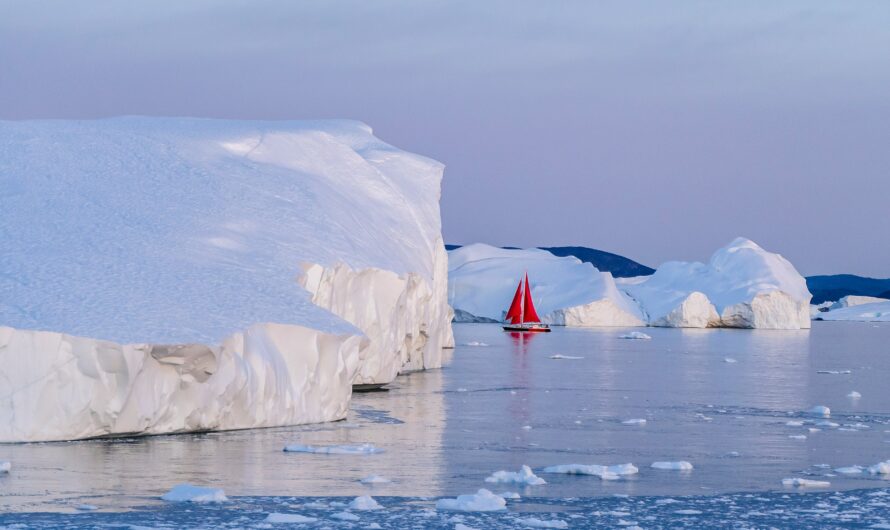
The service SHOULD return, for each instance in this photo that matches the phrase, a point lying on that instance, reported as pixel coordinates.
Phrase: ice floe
(639, 335)
(681, 465)
(850, 470)
(189, 493)
(820, 410)
(881, 468)
(345, 516)
(854, 395)
(613, 472)
(5, 466)
(729, 360)
(86, 507)
(523, 476)
(566, 357)
(634, 421)
(481, 501)
(805, 483)
(375, 479)
(365, 502)
(363, 449)
(289, 518)
(533, 522)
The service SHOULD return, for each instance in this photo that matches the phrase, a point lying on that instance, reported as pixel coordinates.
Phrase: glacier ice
(854, 300)
(152, 273)
(482, 281)
(872, 312)
(742, 286)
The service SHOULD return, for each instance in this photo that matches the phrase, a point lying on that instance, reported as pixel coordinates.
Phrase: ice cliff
(741, 286)
(566, 291)
(163, 275)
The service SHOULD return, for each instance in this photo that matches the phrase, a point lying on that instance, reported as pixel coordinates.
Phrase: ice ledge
(61, 387)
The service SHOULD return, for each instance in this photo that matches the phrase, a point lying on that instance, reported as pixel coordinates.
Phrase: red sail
(514, 314)
(530, 314)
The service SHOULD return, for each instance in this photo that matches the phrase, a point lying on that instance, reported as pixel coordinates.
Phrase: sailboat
(522, 315)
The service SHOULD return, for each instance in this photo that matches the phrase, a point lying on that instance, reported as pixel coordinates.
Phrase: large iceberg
(166, 275)
(742, 286)
(566, 291)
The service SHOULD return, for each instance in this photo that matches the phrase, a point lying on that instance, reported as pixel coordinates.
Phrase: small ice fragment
(794, 423)
(363, 449)
(635, 335)
(634, 421)
(524, 476)
(805, 483)
(826, 423)
(509, 495)
(565, 357)
(5, 466)
(532, 522)
(729, 360)
(881, 468)
(813, 429)
(733, 454)
(797, 436)
(666, 501)
(687, 512)
(527, 427)
(851, 470)
(820, 410)
(854, 395)
(461, 389)
(461, 526)
(189, 493)
(475, 343)
(345, 516)
(85, 507)
(375, 479)
(288, 518)
(365, 502)
(481, 501)
(833, 372)
(682, 465)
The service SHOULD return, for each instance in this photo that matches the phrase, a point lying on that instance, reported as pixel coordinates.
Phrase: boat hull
(533, 328)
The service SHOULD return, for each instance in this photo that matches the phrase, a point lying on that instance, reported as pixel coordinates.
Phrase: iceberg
(854, 300)
(873, 312)
(567, 292)
(742, 286)
(170, 275)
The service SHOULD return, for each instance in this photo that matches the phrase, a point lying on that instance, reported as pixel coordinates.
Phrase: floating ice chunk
(797, 436)
(566, 357)
(363, 449)
(475, 343)
(682, 465)
(634, 421)
(805, 483)
(729, 360)
(813, 429)
(833, 372)
(604, 472)
(86, 507)
(189, 493)
(288, 518)
(794, 423)
(532, 522)
(826, 423)
(365, 502)
(481, 501)
(851, 470)
(666, 501)
(820, 410)
(635, 335)
(854, 395)
(524, 476)
(461, 526)
(881, 468)
(733, 454)
(687, 512)
(5, 466)
(345, 516)
(510, 495)
(526, 427)
(375, 479)
(461, 389)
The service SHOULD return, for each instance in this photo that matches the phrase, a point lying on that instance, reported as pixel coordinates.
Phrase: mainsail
(530, 315)
(522, 309)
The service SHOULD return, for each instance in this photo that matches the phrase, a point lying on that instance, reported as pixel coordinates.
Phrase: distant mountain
(836, 286)
(619, 266)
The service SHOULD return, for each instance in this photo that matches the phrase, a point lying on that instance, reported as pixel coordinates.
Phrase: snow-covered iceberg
(566, 291)
(163, 275)
(854, 300)
(742, 286)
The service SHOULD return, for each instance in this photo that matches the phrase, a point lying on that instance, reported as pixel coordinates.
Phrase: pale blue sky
(658, 130)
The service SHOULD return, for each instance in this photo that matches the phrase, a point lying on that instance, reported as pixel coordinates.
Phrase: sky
(656, 130)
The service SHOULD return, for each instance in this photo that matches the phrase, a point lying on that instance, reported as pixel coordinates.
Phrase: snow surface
(525, 476)
(152, 261)
(189, 493)
(363, 449)
(742, 286)
(876, 312)
(481, 501)
(566, 291)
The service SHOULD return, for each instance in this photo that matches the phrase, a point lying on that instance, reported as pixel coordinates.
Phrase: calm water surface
(504, 402)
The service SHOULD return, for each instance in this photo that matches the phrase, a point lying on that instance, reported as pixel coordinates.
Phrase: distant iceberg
(742, 286)
(873, 312)
(482, 281)
(168, 275)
